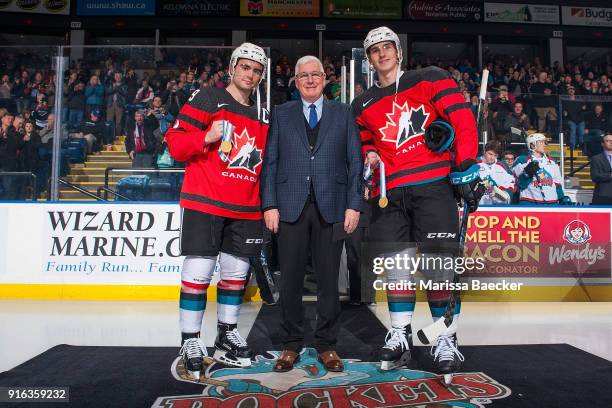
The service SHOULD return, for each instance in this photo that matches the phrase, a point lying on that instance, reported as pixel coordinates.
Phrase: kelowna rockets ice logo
(404, 124)
(244, 154)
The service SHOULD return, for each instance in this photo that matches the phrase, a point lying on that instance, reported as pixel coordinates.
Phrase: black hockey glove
(532, 168)
(467, 184)
(439, 136)
(565, 200)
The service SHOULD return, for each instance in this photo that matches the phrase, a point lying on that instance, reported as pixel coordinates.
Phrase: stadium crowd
(524, 97)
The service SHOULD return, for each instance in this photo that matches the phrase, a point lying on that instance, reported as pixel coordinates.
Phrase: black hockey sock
(185, 336)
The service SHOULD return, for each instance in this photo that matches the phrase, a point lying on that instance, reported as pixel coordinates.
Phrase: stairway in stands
(580, 159)
(90, 175)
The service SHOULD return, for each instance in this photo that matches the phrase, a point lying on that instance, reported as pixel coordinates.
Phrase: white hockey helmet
(381, 34)
(251, 52)
(533, 138)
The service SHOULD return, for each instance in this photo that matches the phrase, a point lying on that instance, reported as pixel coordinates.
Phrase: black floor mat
(551, 375)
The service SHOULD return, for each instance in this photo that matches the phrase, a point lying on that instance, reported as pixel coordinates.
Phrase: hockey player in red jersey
(418, 204)
(221, 135)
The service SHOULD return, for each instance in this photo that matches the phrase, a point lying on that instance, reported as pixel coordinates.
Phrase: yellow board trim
(105, 292)
(598, 293)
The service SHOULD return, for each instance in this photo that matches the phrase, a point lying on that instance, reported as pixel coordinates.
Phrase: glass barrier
(124, 184)
(361, 76)
(27, 102)
(20, 186)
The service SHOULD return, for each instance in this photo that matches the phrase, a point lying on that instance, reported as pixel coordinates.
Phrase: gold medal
(226, 146)
(383, 202)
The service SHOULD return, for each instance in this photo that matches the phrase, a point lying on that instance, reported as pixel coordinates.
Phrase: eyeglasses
(316, 75)
(246, 68)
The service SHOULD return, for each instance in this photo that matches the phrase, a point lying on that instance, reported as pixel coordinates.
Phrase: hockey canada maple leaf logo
(245, 154)
(403, 124)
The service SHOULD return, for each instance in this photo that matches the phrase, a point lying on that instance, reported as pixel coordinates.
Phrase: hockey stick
(267, 288)
(483, 91)
(430, 333)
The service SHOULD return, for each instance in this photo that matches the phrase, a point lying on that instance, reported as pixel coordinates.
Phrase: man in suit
(310, 191)
(601, 173)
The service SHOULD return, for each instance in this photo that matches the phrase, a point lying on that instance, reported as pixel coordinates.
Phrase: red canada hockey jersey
(225, 188)
(393, 125)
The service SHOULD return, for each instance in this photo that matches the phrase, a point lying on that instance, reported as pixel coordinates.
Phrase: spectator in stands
(68, 86)
(601, 173)
(500, 108)
(596, 125)
(92, 130)
(46, 133)
(18, 124)
(516, 84)
(50, 93)
(9, 145)
(359, 89)
(131, 80)
(37, 87)
(41, 111)
(145, 93)
(5, 91)
(280, 85)
(94, 95)
(75, 102)
(160, 113)
(116, 99)
(172, 98)
(544, 102)
(27, 159)
(332, 81)
(516, 125)
(574, 111)
(27, 115)
(473, 101)
(18, 93)
(140, 142)
(190, 83)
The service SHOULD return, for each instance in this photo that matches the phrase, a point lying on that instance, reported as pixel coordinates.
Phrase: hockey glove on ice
(439, 136)
(467, 184)
(565, 200)
(532, 168)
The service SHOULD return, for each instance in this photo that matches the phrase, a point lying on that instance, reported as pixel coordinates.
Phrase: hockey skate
(231, 348)
(192, 354)
(397, 350)
(447, 358)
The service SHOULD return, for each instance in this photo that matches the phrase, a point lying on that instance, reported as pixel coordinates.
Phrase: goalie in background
(496, 176)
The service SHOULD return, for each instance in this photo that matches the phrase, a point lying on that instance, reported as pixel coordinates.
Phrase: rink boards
(131, 251)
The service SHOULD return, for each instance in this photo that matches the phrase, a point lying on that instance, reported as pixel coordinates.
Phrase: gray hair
(306, 59)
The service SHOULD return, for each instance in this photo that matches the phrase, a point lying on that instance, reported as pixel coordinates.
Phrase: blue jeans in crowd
(74, 119)
(576, 130)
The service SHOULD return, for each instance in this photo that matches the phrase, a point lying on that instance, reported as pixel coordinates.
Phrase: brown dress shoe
(286, 360)
(331, 361)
